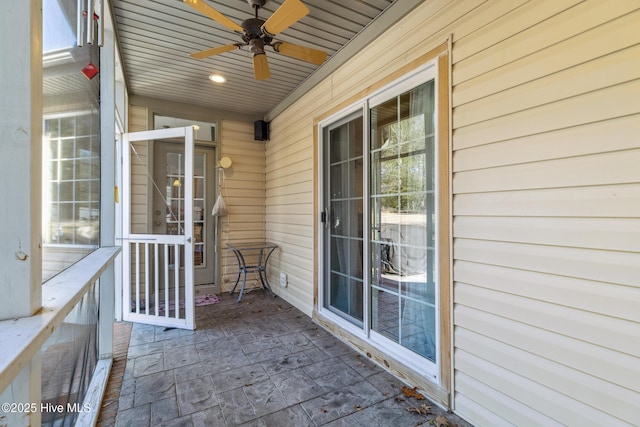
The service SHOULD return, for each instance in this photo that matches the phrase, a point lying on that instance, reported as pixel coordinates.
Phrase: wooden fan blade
(207, 10)
(306, 54)
(215, 51)
(261, 66)
(290, 12)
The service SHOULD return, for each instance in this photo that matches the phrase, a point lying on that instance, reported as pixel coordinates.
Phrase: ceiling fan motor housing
(252, 26)
(253, 32)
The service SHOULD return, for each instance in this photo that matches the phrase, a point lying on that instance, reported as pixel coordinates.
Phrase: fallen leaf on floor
(399, 399)
(248, 385)
(411, 392)
(443, 422)
(422, 409)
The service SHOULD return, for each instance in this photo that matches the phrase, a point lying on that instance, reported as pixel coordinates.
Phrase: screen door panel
(158, 283)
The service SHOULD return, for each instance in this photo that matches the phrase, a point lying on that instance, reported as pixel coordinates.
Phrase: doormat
(206, 299)
(200, 300)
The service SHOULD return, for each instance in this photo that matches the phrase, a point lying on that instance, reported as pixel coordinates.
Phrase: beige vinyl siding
(546, 160)
(546, 200)
(140, 186)
(244, 193)
(289, 206)
(138, 121)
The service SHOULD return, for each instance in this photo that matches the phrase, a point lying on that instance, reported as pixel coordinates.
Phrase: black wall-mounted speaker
(261, 130)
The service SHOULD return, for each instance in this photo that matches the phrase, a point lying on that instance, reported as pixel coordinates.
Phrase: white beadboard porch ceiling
(156, 37)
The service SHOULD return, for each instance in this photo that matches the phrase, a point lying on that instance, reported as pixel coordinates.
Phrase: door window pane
(174, 207)
(344, 190)
(402, 182)
(385, 313)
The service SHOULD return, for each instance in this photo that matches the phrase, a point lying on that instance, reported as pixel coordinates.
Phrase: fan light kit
(257, 33)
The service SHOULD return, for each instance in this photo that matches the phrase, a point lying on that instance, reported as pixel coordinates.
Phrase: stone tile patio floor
(259, 363)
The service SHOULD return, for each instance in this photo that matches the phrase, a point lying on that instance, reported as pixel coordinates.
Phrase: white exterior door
(158, 263)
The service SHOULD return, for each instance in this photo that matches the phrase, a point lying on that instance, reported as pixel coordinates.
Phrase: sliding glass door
(380, 220)
(403, 214)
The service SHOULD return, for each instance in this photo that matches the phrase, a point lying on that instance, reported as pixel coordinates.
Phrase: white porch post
(107, 183)
(21, 175)
(21, 158)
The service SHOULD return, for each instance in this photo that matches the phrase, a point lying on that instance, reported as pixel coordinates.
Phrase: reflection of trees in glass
(403, 164)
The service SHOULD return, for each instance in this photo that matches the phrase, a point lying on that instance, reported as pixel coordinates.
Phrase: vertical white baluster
(166, 280)
(156, 278)
(137, 267)
(146, 278)
(176, 280)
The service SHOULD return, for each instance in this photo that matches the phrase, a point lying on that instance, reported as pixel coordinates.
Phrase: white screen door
(158, 263)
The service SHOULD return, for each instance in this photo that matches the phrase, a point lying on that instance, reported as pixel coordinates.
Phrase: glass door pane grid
(404, 295)
(175, 196)
(344, 177)
(402, 319)
(199, 210)
(402, 214)
(175, 202)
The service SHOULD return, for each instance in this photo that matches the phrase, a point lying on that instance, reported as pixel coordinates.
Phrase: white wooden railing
(22, 339)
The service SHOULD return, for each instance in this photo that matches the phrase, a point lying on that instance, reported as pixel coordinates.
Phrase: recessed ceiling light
(217, 78)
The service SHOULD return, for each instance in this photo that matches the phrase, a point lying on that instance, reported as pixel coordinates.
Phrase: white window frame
(47, 180)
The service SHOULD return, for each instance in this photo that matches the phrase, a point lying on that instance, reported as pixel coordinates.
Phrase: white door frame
(143, 309)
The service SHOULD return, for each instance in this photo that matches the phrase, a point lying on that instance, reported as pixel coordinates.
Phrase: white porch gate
(158, 285)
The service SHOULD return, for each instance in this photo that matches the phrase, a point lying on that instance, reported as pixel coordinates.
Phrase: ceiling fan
(258, 33)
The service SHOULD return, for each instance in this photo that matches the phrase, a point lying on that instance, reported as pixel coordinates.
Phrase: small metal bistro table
(263, 251)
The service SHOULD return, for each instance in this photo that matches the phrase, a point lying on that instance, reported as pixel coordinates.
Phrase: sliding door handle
(324, 217)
